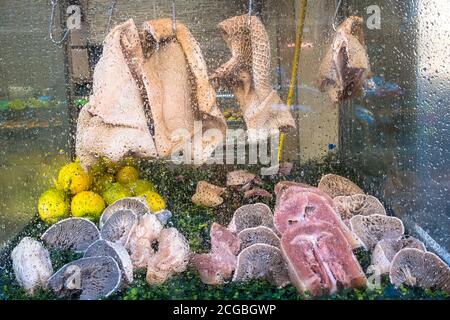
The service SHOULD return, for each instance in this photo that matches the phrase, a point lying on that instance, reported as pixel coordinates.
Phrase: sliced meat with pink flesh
(285, 190)
(297, 206)
(256, 193)
(218, 265)
(306, 270)
(223, 239)
(214, 268)
(319, 259)
(283, 185)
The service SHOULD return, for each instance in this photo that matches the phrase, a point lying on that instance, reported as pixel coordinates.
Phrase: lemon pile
(84, 194)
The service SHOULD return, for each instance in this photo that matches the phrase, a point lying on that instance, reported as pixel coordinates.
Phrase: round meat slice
(371, 229)
(119, 227)
(75, 234)
(259, 234)
(386, 249)
(90, 278)
(358, 204)
(416, 268)
(250, 216)
(261, 261)
(336, 186)
(116, 251)
(136, 204)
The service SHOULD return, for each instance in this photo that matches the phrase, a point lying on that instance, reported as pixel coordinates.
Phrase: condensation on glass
(397, 142)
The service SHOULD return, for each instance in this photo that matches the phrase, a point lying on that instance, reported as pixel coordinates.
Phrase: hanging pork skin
(247, 75)
(346, 64)
(113, 124)
(175, 80)
(156, 77)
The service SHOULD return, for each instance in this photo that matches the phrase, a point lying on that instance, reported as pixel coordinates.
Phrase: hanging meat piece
(175, 81)
(319, 259)
(298, 205)
(153, 78)
(247, 75)
(113, 124)
(346, 64)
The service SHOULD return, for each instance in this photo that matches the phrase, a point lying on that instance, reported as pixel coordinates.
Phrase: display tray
(177, 185)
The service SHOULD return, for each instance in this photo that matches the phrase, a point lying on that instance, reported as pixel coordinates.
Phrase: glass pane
(210, 149)
(33, 115)
(396, 135)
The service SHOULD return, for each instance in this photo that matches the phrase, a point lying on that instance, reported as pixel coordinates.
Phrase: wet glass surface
(394, 138)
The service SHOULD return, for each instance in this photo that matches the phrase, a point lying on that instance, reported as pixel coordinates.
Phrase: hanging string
(336, 13)
(54, 4)
(110, 14)
(174, 17)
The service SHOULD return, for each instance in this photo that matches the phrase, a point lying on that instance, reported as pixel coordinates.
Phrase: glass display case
(212, 149)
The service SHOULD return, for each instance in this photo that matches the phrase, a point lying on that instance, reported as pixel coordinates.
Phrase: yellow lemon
(72, 178)
(109, 165)
(97, 168)
(101, 183)
(140, 187)
(87, 204)
(130, 161)
(127, 175)
(155, 201)
(114, 192)
(53, 205)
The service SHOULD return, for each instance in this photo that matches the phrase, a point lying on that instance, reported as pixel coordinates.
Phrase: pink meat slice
(319, 259)
(223, 239)
(218, 265)
(214, 269)
(286, 189)
(297, 205)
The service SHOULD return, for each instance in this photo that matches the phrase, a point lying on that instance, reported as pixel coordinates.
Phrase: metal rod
(336, 13)
(250, 11)
(54, 4)
(174, 17)
(295, 64)
(110, 14)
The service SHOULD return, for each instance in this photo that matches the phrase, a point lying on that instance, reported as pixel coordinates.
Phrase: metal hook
(54, 3)
(250, 11)
(110, 14)
(174, 17)
(335, 14)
